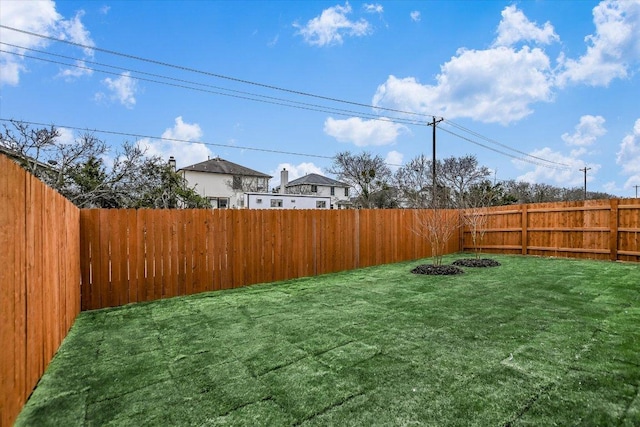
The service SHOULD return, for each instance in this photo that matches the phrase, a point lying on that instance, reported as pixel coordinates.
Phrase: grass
(534, 342)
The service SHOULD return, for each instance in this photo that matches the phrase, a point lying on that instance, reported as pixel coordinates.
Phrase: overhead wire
(267, 99)
(142, 136)
(246, 95)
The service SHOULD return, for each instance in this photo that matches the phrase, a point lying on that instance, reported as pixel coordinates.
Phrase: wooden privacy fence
(597, 229)
(39, 281)
(142, 255)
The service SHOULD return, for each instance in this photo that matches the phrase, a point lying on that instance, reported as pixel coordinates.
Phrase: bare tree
(45, 155)
(458, 174)
(367, 174)
(76, 170)
(414, 182)
(437, 226)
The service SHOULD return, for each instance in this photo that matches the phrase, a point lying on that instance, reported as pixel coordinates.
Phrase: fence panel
(39, 281)
(596, 229)
(142, 255)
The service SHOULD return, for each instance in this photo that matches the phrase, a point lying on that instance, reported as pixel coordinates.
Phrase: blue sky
(536, 90)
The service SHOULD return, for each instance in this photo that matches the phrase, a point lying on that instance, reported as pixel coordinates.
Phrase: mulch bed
(437, 270)
(472, 262)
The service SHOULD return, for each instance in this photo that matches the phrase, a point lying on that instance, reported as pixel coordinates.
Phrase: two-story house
(223, 182)
(317, 185)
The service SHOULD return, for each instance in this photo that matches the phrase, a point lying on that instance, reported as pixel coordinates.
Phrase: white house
(223, 182)
(285, 201)
(319, 186)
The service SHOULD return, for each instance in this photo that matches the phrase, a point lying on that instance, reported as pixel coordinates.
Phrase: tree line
(82, 171)
(460, 182)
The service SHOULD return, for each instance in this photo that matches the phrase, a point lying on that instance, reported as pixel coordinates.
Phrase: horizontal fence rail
(596, 229)
(142, 255)
(39, 281)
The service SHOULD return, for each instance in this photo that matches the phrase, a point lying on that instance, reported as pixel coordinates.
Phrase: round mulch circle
(472, 262)
(437, 270)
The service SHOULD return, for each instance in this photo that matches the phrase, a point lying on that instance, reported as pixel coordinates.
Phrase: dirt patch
(437, 270)
(472, 262)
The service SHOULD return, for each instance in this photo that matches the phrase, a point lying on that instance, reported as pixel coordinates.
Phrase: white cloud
(38, 17)
(65, 136)
(123, 89)
(74, 30)
(394, 159)
(562, 176)
(363, 132)
(373, 8)
(516, 27)
(612, 50)
(415, 16)
(185, 153)
(295, 171)
(184, 131)
(330, 27)
(610, 187)
(495, 85)
(587, 131)
(629, 156)
(105, 9)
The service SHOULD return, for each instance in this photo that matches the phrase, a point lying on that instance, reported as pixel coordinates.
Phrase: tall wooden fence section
(141, 255)
(596, 229)
(39, 281)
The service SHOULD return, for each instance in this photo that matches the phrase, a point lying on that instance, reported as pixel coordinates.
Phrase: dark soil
(437, 270)
(472, 262)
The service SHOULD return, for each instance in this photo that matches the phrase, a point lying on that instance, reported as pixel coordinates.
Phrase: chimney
(172, 163)
(284, 180)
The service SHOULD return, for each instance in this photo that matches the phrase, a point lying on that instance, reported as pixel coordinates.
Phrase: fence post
(613, 230)
(525, 226)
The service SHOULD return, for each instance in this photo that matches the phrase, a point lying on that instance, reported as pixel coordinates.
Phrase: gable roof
(315, 179)
(222, 166)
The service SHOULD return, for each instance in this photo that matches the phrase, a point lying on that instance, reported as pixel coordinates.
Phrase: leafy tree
(487, 194)
(367, 174)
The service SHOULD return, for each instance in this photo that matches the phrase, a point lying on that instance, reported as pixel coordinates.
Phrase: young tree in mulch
(476, 220)
(437, 226)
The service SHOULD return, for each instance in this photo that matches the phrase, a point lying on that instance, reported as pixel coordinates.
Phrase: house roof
(315, 179)
(222, 166)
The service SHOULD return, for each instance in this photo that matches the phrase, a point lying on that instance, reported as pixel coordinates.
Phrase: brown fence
(597, 229)
(141, 255)
(39, 281)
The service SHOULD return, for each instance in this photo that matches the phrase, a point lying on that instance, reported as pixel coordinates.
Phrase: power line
(207, 73)
(234, 93)
(500, 144)
(141, 136)
(294, 104)
(263, 98)
(524, 159)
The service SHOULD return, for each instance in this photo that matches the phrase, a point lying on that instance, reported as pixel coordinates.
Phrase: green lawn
(534, 342)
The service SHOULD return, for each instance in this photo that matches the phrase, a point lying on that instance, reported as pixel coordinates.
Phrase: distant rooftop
(316, 179)
(222, 166)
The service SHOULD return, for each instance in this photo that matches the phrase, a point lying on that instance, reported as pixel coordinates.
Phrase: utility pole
(636, 186)
(433, 165)
(585, 169)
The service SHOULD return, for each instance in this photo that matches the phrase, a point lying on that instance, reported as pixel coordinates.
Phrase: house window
(293, 200)
(276, 203)
(314, 188)
(219, 202)
(346, 191)
(321, 204)
(259, 201)
(237, 182)
(333, 191)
